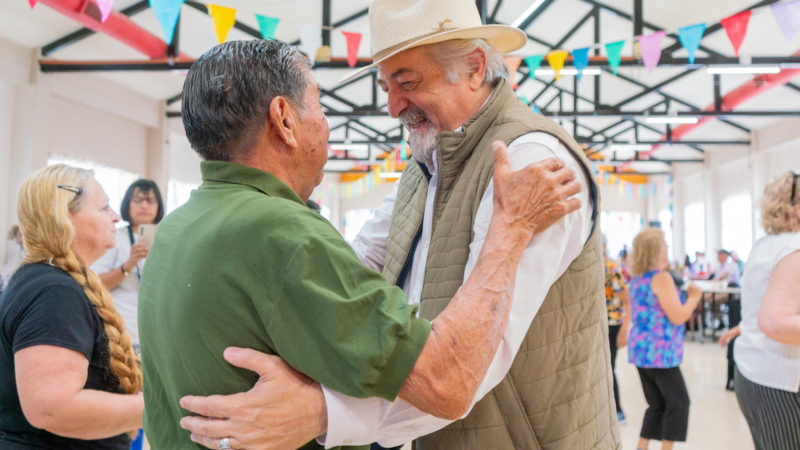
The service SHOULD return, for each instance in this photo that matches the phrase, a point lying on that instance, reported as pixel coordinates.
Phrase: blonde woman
(767, 353)
(68, 373)
(655, 344)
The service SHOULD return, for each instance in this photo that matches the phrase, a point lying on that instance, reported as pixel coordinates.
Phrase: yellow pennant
(224, 18)
(556, 59)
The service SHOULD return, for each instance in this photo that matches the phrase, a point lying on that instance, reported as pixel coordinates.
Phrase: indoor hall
(684, 111)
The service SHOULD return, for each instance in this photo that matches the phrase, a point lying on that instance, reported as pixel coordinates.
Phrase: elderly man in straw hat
(549, 385)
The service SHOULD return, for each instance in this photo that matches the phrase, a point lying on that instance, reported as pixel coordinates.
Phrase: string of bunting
(394, 161)
(629, 189)
(786, 15)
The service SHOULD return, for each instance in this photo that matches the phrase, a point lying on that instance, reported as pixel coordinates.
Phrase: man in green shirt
(245, 263)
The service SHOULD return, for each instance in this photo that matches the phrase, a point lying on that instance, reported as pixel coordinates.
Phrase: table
(714, 288)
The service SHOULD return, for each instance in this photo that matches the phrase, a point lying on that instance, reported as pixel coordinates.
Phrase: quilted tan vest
(558, 392)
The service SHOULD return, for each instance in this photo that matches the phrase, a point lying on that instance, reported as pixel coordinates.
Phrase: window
(736, 224)
(114, 181)
(619, 227)
(694, 221)
(665, 217)
(354, 219)
(178, 193)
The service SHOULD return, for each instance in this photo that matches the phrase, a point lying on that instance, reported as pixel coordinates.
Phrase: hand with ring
(285, 409)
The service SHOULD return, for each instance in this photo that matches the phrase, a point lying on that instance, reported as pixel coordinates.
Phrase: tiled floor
(715, 421)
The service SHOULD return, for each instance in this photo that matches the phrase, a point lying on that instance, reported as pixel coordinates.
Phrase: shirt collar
(232, 173)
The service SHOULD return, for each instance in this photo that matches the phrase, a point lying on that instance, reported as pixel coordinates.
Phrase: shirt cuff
(351, 421)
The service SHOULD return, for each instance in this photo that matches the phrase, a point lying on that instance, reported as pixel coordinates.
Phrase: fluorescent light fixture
(573, 72)
(742, 69)
(633, 147)
(531, 9)
(672, 119)
(390, 174)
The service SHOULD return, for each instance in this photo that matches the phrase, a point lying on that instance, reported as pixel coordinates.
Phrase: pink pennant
(736, 27)
(650, 46)
(105, 7)
(353, 41)
(32, 3)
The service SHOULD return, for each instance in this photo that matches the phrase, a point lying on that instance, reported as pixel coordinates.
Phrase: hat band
(389, 50)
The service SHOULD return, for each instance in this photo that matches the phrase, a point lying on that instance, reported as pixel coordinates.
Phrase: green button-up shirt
(245, 263)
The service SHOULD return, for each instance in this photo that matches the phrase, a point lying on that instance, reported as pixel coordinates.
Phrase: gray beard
(422, 147)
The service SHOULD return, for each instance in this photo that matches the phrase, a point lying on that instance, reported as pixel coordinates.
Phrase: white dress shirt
(354, 421)
(759, 358)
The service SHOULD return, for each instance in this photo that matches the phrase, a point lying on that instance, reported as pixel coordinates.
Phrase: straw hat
(398, 25)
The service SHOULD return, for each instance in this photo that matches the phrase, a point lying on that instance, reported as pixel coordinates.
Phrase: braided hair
(47, 233)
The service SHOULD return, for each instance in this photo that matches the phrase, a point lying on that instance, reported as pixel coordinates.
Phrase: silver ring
(224, 444)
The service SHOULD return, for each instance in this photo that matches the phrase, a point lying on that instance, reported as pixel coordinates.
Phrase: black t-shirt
(43, 305)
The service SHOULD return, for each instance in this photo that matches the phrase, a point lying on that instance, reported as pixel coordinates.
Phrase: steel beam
(83, 33)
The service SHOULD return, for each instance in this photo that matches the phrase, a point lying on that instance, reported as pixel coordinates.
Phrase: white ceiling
(42, 25)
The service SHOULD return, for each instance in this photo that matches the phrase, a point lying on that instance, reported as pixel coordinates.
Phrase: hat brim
(503, 38)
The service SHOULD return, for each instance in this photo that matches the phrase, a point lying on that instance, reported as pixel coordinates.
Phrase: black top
(43, 305)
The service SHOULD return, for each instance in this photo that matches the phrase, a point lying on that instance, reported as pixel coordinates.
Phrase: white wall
(735, 170)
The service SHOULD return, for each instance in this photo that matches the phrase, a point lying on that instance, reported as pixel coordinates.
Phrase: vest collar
(453, 148)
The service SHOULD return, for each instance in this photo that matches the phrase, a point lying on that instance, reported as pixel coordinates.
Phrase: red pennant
(736, 27)
(353, 41)
(32, 3)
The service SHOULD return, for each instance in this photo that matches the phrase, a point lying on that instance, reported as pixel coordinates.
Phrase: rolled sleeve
(342, 324)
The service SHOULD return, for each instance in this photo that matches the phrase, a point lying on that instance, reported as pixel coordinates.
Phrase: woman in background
(120, 269)
(767, 352)
(655, 344)
(68, 374)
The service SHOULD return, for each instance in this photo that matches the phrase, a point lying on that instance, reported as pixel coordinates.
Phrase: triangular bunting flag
(32, 3)
(580, 59)
(650, 46)
(353, 41)
(736, 27)
(105, 7)
(788, 17)
(310, 40)
(267, 25)
(556, 59)
(613, 52)
(224, 18)
(533, 62)
(167, 12)
(690, 38)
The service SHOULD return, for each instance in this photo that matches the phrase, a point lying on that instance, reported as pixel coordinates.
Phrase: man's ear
(282, 118)
(476, 62)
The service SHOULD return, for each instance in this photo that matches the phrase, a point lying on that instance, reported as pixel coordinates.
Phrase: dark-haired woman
(120, 268)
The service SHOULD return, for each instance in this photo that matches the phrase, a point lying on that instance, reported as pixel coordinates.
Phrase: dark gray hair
(228, 90)
(452, 55)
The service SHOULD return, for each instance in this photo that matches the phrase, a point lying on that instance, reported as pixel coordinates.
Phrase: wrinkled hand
(535, 196)
(728, 336)
(138, 251)
(285, 409)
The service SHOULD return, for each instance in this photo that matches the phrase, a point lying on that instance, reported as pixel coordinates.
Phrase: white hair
(452, 56)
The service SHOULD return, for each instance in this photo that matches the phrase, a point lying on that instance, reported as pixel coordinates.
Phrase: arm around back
(666, 292)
